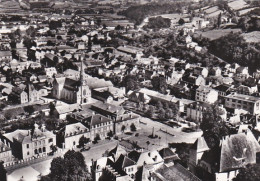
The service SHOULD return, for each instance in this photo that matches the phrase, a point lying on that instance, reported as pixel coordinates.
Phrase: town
(133, 90)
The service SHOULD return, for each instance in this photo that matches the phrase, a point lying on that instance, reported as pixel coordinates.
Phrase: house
(116, 152)
(222, 163)
(109, 94)
(215, 71)
(5, 56)
(241, 101)
(108, 110)
(242, 71)
(195, 112)
(168, 155)
(50, 72)
(224, 89)
(196, 151)
(206, 94)
(62, 111)
(114, 173)
(98, 166)
(150, 158)
(194, 80)
(5, 152)
(246, 90)
(30, 143)
(126, 164)
(201, 71)
(28, 94)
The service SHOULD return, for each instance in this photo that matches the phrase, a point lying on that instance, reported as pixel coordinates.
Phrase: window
(74, 143)
(28, 145)
(50, 140)
(28, 153)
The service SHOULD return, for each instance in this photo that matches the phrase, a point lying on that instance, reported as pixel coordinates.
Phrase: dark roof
(174, 173)
(222, 87)
(71, 84)
(123, 161)
(134, 155)
(96, 120)
(167, 153)
(232, 150)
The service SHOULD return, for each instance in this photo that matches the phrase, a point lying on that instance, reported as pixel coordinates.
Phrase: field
(252, 37)
(215, 34)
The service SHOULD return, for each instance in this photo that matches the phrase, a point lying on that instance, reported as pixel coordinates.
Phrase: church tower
(85, 93)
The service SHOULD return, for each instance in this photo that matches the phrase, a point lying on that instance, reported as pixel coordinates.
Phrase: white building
(206, 94)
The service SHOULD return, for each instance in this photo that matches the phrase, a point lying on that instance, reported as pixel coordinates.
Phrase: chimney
(43, 128)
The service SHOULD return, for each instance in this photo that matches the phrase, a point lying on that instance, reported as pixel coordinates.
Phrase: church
(71, 91)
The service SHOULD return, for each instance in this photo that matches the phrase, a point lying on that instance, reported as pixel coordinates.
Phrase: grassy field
(215, 34)
(252, 37)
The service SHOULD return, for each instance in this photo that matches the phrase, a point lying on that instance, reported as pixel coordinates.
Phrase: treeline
(249, 23)
(158, 22)
(234, 49)
(138, 13)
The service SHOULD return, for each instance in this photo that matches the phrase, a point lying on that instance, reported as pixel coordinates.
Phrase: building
(201, 71)
(5, 56)
(126, 122)
(30, 143)
(246, 90)
(99, 125)
(28, 94)
(108, 110)
(68, 137)
(70, 90)
(50, 72)
(206, 94)
(240, 101)
(222, 163)
(5, 152)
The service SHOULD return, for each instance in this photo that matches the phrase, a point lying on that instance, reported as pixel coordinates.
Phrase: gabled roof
(118, 150)
(167, 153)
(142, 174)
(75, 129)
(234, 152)
(123, 161)
(97, 119)
(200, 145)
(174, 173)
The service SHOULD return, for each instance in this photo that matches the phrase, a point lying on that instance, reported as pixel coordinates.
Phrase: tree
(161, 114)
(130, 82)
(123, 128)
(219, 19)
(2, 172)
(181, 21)
(159, 105)
(68, 168)
(212, 126)
(150, 111)
(110, 134)
(132, 127)
(249, 173)
(159, 84)
(148, 143)
(169, 114)
(82, 141)
(97, 138)
(29, 109)
(53, 148)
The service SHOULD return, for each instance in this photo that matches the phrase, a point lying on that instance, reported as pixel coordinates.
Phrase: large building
(68, 137)
(30, 143)
(71, 91)
(206, 94)
(246, 102)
